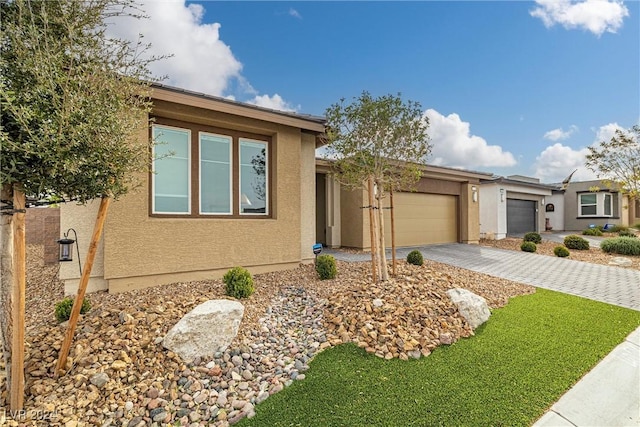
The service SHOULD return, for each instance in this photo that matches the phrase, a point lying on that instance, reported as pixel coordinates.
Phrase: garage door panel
(521, 216)
(423, 219)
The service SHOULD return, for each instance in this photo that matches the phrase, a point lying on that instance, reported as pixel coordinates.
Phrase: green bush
(636, 226)
(561, 251)
(621, 245)
(626, 233)
(533, 237)
(576, 242)
(326, 267)
(592, 232)
(238, 283)
(617, 228)
(415, 257)
(528, 247)
(63, 308)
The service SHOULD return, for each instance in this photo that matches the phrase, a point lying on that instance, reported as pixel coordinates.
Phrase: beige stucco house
(442, 208)
(233, 184)
(594, 203)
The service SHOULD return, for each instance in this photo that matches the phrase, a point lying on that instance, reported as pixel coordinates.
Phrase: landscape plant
(238, 283)
(326, 267)
(534, 237)
(574, 241)
(626, 233)
(621, 245)
(63, 308)
(561, 251)
(415, 257)
(528, 247)
(592, 232)
(379, 144)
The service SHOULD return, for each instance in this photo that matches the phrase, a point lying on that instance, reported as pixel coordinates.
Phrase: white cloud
(557, 161)
(274, 102)
(294, 13)
(559, 134)
(453, 145)
(201, 61)
(596, 16)
(606, 132)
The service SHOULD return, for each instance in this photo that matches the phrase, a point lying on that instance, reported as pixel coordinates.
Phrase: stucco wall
(573, 222)
(307, 197)
(352, 218)
(489, 204)
(556, 218)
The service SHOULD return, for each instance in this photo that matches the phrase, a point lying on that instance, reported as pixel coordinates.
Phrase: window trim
(189, 173)
(601, 196)
(194, 172)
(266, 159)
(231, 173)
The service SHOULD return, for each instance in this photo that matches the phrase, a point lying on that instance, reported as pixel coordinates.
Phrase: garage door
(521, 216)
(422, 219)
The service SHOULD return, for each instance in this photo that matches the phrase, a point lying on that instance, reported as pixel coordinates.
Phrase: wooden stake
(82, 287)
(18, 301)
(393, 233)
(374, 270)
(384, 274)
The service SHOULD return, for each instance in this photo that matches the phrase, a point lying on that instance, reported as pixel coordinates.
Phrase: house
(515, 204)
(442, 208)
(594, 203)
(233, 184)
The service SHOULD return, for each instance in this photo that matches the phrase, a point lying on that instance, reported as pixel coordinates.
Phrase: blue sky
(509, 87)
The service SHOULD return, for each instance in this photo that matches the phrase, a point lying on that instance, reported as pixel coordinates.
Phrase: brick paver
(613, 285)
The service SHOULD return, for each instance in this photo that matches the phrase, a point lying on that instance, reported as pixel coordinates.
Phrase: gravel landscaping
(118, 373)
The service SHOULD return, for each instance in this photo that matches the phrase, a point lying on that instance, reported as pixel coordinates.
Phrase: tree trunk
(393, 233)
(374, 268)
(82, 286)
(384, 274)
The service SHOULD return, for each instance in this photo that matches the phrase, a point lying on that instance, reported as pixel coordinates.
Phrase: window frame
(581, 204)
(600, 204)
(231, 173)
(189, 173)
(195, 170)
(266, 158)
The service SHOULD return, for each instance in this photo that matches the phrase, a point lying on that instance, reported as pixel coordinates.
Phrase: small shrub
(626, 233)
(415, 257)
(238, 283)
(533, 237)
(636, 226)
(617, 228)
(528, 247)
(63, 308)
(592, 232)
(621, 245)
(576, 242)
(326, 267)
(561, 251)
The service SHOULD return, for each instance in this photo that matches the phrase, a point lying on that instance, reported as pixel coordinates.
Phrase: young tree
(72, 100)
(617, 161)
(381, 140)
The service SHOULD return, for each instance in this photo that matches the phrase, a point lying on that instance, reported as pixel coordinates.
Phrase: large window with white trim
(595, 204)
(201, 171)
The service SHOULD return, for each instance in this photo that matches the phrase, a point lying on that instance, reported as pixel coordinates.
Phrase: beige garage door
(422, 219)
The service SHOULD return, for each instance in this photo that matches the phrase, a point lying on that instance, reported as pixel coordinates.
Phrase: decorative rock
(621, 262)
(377, 302)
(119, 365)
(208, 328)
(99, 380)
(446, 338)
(472, 307)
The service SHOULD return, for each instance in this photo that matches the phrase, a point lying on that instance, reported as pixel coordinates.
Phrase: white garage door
(422, 219)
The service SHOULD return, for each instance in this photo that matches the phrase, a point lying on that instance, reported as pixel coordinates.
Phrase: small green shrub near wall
(326, 267)
(574, 241)
(238, 283)
(621, 245)
(63, 308)
(561, 251)
(528, 247)
(627, 233)
(592, 232)
(415, 257)
(534, 237)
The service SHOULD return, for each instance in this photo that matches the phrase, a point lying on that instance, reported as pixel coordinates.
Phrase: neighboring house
(593, 203)
(234, 184)
(443, 208)
(514, 205)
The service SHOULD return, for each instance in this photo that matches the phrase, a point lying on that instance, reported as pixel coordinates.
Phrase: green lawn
(517, 365)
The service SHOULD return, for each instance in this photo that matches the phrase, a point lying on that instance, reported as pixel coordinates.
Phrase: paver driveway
(613, 285)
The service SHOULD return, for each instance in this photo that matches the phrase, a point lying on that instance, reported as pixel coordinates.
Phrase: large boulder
(205, 330)
(472, 307)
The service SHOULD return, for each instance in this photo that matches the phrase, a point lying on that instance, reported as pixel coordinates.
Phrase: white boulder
(205, 330)
(472, 307)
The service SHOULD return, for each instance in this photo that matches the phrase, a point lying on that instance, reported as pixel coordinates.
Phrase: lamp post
(66, 248)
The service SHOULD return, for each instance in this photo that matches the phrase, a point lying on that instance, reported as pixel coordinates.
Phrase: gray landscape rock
(621, 262)
(472, 307)
(205, 330)
(100, 379)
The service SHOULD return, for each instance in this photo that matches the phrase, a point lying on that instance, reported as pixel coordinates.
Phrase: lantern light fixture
(66, 248)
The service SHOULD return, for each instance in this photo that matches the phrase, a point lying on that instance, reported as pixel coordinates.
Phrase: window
(595, 204)
(201, 171)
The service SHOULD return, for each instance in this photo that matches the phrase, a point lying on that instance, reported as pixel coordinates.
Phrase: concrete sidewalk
(607, 396)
